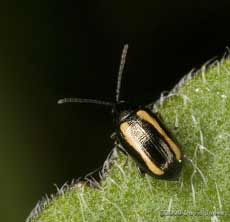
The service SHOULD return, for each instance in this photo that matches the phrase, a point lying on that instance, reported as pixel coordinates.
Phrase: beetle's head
(121, 111)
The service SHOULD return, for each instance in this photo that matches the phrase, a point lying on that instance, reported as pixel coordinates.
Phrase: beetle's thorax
(122, 111)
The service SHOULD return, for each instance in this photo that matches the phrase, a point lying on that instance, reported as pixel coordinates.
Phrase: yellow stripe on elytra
(145, 116)
(129, 138)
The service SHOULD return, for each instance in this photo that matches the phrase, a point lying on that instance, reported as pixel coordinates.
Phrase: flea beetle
(140, 134)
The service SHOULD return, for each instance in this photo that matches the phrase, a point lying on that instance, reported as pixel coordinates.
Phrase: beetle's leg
(141, 171)
(153, 107)
(113, 136)
(121, 148)
(107, 163)
(126, 161)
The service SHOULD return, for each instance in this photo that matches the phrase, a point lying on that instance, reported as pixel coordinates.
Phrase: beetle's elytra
(141, 134)
(145, 139)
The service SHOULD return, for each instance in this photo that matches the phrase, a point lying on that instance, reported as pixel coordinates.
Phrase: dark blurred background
(55, 49)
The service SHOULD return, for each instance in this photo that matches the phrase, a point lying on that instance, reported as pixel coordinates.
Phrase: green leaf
(197, 112)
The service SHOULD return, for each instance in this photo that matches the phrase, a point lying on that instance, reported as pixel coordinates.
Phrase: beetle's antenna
(79, 100)
(120, 72)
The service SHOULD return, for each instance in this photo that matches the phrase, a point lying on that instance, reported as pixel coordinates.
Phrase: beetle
(141, 134)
